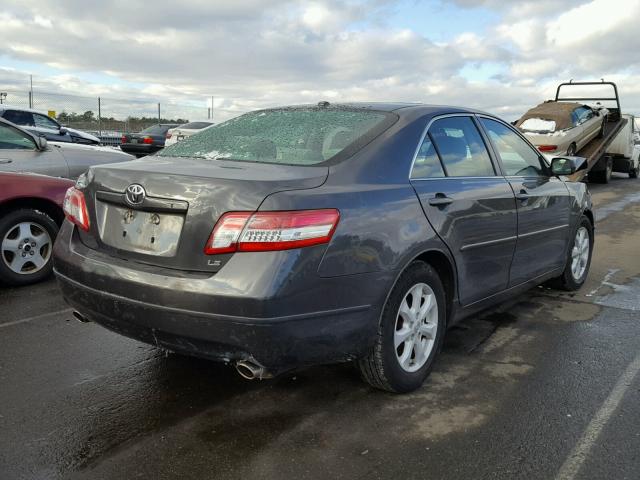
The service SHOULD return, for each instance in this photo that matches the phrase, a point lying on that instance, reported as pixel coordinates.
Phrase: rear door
(19, 153)
(543, 204)
(471, 208)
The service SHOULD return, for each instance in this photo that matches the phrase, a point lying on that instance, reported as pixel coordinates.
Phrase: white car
(560, 128)
(183, 131)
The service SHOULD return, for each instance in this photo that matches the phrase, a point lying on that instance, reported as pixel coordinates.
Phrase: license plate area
(139, 231)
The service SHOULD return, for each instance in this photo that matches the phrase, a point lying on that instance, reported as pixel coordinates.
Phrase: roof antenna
(323, 104)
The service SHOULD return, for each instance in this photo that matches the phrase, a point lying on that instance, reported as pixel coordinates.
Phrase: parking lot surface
(545, 386)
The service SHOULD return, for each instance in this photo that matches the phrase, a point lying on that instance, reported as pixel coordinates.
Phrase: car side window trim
(495, 151)
(497, 168)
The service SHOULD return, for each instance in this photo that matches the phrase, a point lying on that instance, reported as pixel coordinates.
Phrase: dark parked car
(307, 235)
(30, 216)
(41, 124)
(148, 141)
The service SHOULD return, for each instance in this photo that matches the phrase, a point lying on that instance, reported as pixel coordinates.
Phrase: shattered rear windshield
(293, 136)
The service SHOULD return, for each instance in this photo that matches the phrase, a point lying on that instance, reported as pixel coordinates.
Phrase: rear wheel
(579, 259)
(603, 176)
(633, 170)
(571, 151)
(410, 333)
(602, 127)
(26, 244)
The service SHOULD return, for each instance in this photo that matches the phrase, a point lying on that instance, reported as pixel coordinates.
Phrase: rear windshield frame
(390, 118)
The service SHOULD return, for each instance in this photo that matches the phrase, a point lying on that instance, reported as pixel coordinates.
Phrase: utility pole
(31, 91)
(211, 107)
(158, 113)
(99, 118)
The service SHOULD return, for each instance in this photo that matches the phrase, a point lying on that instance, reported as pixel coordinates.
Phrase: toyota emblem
(135, 194)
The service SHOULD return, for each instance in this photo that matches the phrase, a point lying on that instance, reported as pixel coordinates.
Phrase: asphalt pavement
(545, 386)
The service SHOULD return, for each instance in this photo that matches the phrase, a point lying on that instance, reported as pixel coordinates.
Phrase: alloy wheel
(416, 327)
(580, 253)
(26, 248)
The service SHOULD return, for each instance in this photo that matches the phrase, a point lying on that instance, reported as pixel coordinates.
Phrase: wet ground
(543, 387)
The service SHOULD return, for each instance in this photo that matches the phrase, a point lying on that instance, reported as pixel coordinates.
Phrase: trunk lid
(183, 199)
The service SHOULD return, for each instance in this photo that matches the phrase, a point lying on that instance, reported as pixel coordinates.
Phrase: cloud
(256, 53)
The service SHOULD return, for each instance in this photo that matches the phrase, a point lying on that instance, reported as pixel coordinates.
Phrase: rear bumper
(139, 148)
(199, 316)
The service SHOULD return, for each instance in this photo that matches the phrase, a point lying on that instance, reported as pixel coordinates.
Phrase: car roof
(4, 106)
(399, 108)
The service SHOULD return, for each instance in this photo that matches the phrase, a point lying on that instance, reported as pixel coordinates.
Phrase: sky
(500, 56)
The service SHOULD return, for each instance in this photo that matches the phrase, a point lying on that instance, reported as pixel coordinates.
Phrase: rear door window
(19, 117)
(427, 164)
(461, 148)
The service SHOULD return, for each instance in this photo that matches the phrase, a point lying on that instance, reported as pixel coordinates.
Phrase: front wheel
(26, 244)
(410, 333)
(579, 259)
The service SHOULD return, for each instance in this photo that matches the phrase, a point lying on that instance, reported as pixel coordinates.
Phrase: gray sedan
(315, 234)
(22, 151)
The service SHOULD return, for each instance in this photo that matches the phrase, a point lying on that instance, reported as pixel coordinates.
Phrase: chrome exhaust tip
(81, 318)
(251, 370)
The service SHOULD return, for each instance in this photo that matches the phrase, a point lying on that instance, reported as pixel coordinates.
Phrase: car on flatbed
(30, 216)
(306, 235)
(612, 149)
(562, 127)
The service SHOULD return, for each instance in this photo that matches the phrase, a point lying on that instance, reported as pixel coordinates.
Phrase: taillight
(123, 139)
(547, 148)
(147, 140)
(75, 208)
(265, 231)
(168, 135)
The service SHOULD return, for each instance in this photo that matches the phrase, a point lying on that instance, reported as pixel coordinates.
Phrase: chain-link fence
(109, 118)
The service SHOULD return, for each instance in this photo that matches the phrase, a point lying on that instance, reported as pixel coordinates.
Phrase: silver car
(22, 151)
(559, 128)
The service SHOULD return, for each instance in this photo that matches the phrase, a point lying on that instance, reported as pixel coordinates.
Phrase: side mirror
(42, 143)
(567, 165)
(63, 131)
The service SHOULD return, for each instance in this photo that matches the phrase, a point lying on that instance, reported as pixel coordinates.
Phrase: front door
(470, 207)
(19, 153)
(543, 204)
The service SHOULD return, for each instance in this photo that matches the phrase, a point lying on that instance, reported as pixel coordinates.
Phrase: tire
(15, 228)
(570, 280)
(382, 367)
(602, 128)
(603, 176)
(633, 171)
(571, 151)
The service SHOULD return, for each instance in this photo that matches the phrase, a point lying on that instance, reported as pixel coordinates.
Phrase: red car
(30, 215)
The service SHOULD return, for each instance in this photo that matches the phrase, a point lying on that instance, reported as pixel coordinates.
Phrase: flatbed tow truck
(614, 151)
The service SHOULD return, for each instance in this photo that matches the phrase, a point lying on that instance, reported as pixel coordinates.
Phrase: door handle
(523, 195)
(440, 200)
(5, 160)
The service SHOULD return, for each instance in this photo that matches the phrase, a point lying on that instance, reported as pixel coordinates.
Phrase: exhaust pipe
(251, 370)
(80, 317)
